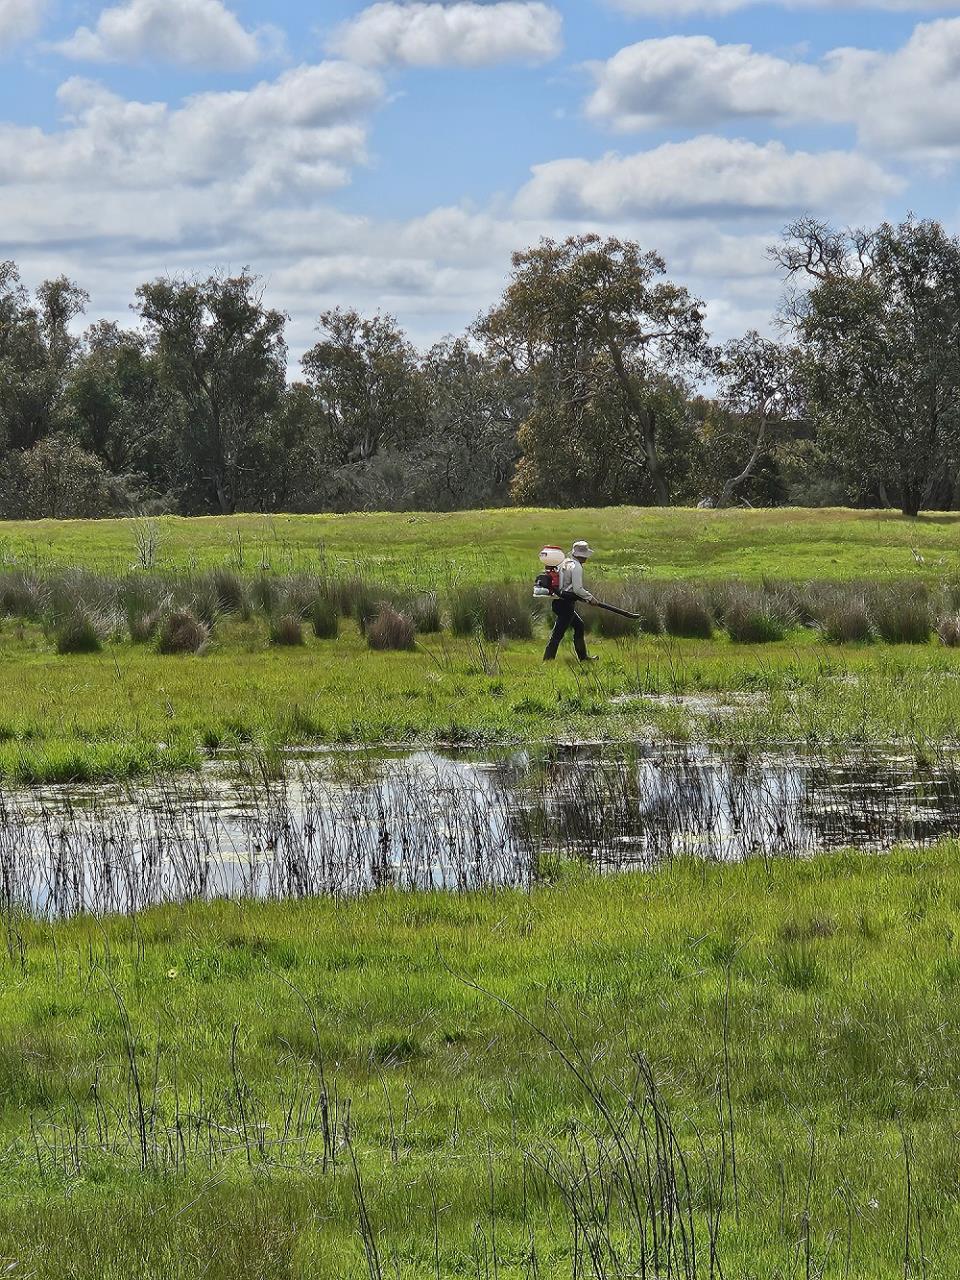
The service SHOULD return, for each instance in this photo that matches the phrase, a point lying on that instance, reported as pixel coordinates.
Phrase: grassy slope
(503, 544)
(844, 1001)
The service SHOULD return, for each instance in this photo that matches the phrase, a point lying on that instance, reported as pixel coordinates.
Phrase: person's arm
(576, 582)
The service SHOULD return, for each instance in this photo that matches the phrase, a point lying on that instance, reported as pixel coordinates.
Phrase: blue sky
(391, 155)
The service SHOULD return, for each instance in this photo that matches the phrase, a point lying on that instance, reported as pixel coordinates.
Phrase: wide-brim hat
(583, 550)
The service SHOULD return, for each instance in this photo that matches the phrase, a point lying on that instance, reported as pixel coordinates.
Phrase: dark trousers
(567, 618)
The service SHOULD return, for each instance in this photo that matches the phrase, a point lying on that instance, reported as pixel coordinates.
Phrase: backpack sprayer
(547, 584)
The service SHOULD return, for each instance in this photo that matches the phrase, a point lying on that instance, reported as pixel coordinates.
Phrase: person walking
(572, 590)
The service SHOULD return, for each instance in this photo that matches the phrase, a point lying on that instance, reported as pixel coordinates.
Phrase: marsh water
(345, 822)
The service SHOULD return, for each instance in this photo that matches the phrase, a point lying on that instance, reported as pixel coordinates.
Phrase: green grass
(130, 711)
(160, 1078)
(496, 545)
(157, 1076)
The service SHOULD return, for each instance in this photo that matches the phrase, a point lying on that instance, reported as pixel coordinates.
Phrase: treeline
(582, 385)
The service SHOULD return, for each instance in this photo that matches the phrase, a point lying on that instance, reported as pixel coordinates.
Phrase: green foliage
(605, 341)
(879, 363)
(223, 354)
(56, 479)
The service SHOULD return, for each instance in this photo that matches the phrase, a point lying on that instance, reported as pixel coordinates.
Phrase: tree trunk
(644, 420)
(734, 483)
(226, 499)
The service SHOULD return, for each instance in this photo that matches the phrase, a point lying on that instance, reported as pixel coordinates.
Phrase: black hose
(612, 608)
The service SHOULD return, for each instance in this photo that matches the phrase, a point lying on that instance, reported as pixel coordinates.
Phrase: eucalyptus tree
(115, 402)
(474, 409)
(878, 324)
(603, 334)
(223, 361)
(364, 374)
(756, 393)
(37, 348)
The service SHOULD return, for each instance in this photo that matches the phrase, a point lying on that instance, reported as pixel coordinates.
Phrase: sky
(391, 156)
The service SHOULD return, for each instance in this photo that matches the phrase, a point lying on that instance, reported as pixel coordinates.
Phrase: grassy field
(128, 710)
(743, 1072)
(495, 545)
(163, 1080)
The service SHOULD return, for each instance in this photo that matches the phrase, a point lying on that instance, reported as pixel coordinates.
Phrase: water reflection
(345, 823)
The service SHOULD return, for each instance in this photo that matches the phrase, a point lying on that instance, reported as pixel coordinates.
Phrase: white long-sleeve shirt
(571, 579)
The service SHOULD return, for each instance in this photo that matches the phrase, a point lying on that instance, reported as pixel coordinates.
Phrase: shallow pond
(342, 823)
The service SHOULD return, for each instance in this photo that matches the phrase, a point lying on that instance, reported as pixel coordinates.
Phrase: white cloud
(123, 191)
(465, 34)
(706, 175)
(134, 169)
(693, 80)
(190, 33)
(19, 19)
(718, 8)
(905, 101)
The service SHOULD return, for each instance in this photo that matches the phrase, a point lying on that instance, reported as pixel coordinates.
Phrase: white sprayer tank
(550, 558)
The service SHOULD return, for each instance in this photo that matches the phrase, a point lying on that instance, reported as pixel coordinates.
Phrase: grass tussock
(497, 612)
(687, 615)
(902, 618)
(182, 632)
(391, 629)
(846, 621)
(286, 630)
(757, 616)
(324, 618)
(426, 613)
(232, 595)
(80, 632)
(21, 595)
